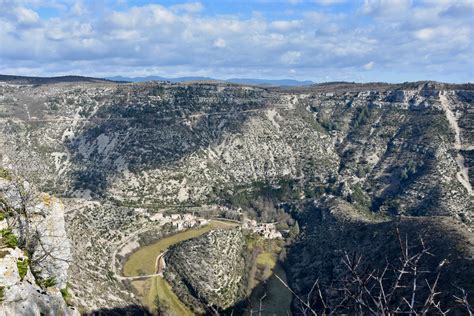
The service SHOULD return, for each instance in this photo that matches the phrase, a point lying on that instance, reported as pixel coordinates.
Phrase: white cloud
(291, 57)
(190, 7)
(78, 8)
(369, 65)
(145, 16)
(286, 25)
(26, 16)
(385, 7)
(219, 43)
(425, 34)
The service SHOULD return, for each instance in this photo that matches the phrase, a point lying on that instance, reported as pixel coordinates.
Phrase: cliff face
(171, 144)
(209, 267)
(112, 150)
(31, 278)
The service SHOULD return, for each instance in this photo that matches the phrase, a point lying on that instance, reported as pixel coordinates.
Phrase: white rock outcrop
(40, 218)
(24, 296)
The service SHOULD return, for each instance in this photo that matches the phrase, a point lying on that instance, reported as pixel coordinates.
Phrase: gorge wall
(378, 152)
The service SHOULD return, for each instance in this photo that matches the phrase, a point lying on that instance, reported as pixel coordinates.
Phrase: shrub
(22, 265)
(49, 282)
(361, 116)
(359, 197)
(9, 238)
(410, 169)
(66, 295)
(5, 174)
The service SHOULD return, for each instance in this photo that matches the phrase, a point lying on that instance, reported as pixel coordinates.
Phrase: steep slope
(209, 268)
(33, 278)
(120, 152)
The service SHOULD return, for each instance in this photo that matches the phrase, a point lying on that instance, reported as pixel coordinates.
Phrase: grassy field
(268, 259)
(162, 290)
(156, 289)
(142, 262)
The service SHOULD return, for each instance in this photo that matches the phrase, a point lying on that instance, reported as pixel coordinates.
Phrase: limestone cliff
(116, 153)
(31, 278)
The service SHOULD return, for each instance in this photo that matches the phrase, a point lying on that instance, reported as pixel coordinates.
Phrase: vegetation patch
(5, 174)
(267, 261)
(22, 265)
(66, 295)
(8, 238)
(410, 169)
(361, 116)
(44, 282)
(165, 299)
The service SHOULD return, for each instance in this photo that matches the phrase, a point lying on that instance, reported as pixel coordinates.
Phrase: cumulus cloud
(219, 43)
(78, 8)
(286, 25)
(430, 39)
(190, 7)
(26, 16)
(291, 57)
(369, 65)
(386, 7)
(425, 34)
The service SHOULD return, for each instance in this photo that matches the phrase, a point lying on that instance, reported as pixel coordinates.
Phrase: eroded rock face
(21, 294)
(40, 218)
(36, 220)
(113, 149)
(54, 254)
(211, 266)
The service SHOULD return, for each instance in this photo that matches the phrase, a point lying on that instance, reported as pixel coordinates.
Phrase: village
(187, 220)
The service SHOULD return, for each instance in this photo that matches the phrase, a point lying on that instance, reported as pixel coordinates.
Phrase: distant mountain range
(259, 82)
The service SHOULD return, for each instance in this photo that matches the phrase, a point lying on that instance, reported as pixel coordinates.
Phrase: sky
(319, 40)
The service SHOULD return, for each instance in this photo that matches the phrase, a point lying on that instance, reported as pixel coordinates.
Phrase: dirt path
(159, 266)
(160, 263)
(113, 262)
(463, 173)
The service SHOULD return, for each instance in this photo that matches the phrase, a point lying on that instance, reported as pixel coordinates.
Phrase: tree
(399, 288)
(294, 230)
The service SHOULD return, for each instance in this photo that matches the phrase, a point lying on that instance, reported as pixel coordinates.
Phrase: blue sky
(319, 40)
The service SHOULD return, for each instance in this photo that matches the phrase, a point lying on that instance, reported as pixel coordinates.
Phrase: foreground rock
(36, 223)
(21, 294)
